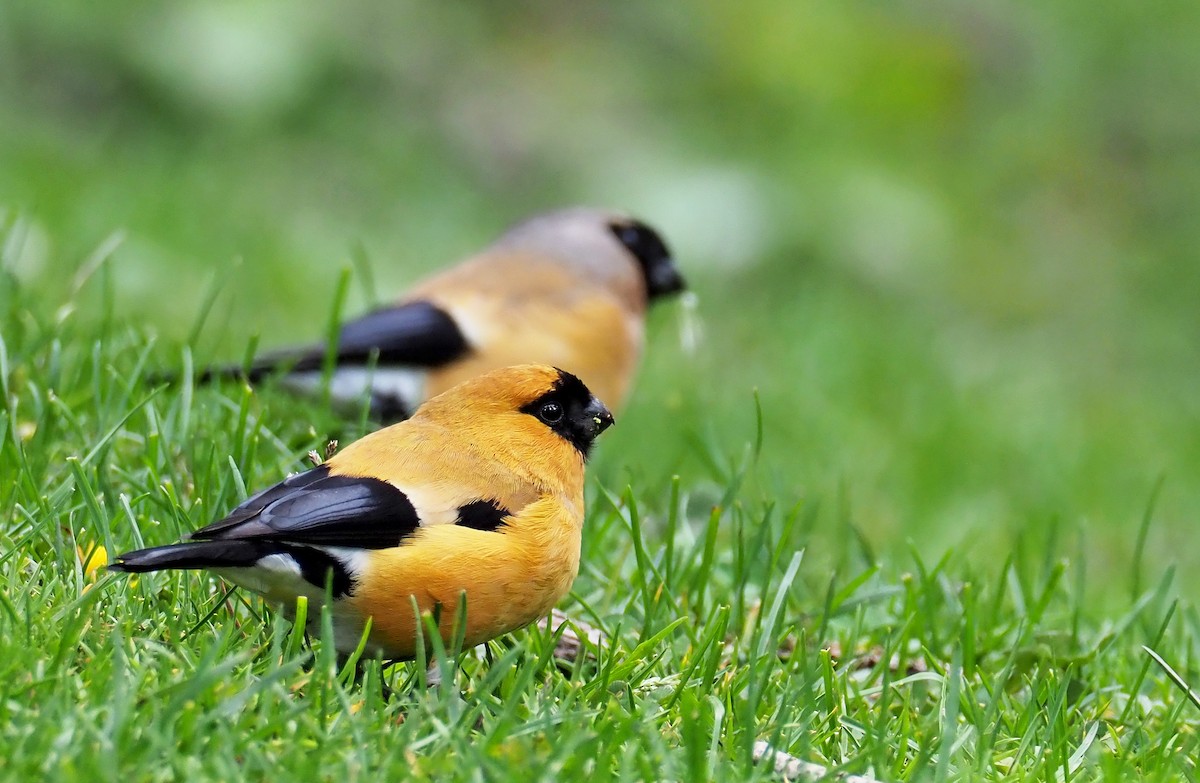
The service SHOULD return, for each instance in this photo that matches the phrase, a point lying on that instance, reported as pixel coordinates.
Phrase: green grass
(737, 610)
(945, 261)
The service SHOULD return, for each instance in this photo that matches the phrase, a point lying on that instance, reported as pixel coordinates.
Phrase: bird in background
(567, 288)
(479, 493)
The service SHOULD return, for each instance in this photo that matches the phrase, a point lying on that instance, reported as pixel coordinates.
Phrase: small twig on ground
(791, 768)
(568, 649)
(571, 644)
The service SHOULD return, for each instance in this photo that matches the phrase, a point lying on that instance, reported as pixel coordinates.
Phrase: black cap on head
(572, 411)
(658, 268)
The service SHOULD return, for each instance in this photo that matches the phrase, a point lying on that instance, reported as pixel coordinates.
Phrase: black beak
(599, 417)
(664, 279)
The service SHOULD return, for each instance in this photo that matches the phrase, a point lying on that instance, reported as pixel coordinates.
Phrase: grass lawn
(911, 494)
(746, 595)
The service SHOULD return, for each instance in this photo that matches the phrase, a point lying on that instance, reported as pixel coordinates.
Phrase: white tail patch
(349, 386)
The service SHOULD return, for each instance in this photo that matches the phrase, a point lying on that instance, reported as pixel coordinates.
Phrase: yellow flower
(93, 562)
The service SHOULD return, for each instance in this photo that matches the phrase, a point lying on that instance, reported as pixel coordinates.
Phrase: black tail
(315, 566)
(199, 554)
(236, 372)
(223, 372)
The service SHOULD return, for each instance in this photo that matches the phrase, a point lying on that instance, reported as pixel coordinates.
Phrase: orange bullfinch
(567, 288)
(479, 493)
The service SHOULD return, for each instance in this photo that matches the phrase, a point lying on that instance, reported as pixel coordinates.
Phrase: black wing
(413, 334)
(317, 508)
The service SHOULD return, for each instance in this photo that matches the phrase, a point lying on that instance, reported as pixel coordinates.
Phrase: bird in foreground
(567, 288)
(479, 493)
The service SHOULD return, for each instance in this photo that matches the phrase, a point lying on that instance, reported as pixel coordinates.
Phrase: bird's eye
(629, 236)
(551, 413)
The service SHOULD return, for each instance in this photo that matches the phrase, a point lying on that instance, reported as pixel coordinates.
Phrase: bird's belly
(506, 588)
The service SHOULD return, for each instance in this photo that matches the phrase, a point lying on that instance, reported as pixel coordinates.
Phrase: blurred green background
(952, 245)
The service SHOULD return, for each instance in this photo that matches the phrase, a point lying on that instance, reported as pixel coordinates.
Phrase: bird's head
(529, 406)
(661, 275)
(603, 244)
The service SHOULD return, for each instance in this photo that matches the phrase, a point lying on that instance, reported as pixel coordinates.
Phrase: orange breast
(594, 338)
(510, 578)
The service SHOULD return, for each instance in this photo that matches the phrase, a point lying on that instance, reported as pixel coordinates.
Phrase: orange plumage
(480, 492)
